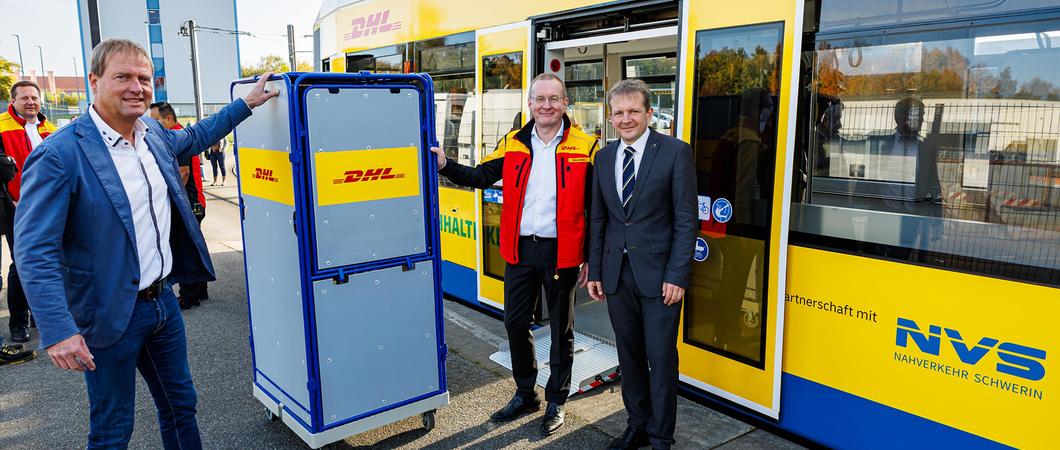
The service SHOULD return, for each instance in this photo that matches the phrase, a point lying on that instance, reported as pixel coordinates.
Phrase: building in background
(69, 85)
(155, 24)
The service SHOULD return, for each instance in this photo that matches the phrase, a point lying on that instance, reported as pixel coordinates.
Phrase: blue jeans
(154, 344)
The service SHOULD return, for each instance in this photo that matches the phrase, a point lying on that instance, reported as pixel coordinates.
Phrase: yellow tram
(879, 186)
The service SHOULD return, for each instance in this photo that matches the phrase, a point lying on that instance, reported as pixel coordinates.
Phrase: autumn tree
(268, 63)
(730, 71)
(7, 77)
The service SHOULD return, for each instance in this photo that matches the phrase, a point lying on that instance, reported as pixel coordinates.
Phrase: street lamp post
(21, 65)
(190, 29)
(44, 75)
(76, 76)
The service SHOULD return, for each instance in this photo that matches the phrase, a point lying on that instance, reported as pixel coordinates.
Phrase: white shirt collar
(640, 143)
(533, 133)
(111, 137)
(32, 120)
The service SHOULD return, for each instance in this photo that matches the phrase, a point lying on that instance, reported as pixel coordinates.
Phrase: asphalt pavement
(43, 407)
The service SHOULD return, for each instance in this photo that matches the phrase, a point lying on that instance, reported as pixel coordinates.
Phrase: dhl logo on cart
(353, 176)
(364, 175)
(266, 174)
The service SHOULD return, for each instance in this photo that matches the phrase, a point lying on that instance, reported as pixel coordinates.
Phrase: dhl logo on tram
(370, 24)
(265, 175)
(353, 176)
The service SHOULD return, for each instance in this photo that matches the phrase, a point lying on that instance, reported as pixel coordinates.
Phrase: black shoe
(187, 302)
(9, 354)
(516, 407)
(631, 439)
(19, 333)
(553, 418)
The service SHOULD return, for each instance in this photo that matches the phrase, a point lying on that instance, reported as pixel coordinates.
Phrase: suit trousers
(522, 287)
(646, 334)
(16, 297)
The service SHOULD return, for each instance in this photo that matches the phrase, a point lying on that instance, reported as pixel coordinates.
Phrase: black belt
(151, 292)
(536, 238)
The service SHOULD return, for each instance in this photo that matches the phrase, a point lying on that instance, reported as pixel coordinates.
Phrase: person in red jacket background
(22, 128)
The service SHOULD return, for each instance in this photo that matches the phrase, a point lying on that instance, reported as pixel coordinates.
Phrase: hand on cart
(259, 95)
(441, 156)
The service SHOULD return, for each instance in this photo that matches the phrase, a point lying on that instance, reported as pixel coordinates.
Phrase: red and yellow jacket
(511, 161)
(15, 143)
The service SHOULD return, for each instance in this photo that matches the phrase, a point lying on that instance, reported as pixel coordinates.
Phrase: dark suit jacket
(660, 231)
(75, 242)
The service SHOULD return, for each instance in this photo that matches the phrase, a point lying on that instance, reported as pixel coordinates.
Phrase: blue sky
(53, 25)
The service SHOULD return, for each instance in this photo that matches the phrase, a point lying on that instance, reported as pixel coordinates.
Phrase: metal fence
(998, 165)
(53, 112)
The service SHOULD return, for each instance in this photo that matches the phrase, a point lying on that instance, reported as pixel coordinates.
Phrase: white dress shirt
(539, 203)
(620, 155)
(148, 198)
(31, 131)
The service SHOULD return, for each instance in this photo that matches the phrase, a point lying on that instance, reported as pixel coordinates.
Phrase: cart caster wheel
(428, 420)
(272, 417)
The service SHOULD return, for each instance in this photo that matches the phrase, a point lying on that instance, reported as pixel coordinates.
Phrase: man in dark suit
(103, 227)
(642, 235)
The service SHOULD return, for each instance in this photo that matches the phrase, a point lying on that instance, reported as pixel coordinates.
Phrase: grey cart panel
(356, 119)
(268, 127)
(273, 284)
(376, 338)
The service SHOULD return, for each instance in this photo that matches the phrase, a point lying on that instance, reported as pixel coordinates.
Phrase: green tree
(8, 69)
(268, 63)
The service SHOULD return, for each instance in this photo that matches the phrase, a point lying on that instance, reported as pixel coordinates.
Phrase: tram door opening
(590, 67)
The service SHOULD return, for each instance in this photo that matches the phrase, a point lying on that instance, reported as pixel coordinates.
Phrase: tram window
(737, 74)
(939, 148)
(448, 58)
(453, 69)
(585, 88)
(660, 73)
(850, 15)
(389, 64)
(641, 67)
(502, 106)
(454, 104)
(390, 59)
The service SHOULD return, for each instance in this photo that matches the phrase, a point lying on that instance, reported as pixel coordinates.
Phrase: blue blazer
(75, 247)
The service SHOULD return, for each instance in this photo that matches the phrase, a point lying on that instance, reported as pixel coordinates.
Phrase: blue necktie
(629, 179)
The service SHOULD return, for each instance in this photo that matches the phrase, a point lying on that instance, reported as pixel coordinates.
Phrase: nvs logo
(1016, 360)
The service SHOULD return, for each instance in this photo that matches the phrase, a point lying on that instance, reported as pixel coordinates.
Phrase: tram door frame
(755, 386)
(494, 41)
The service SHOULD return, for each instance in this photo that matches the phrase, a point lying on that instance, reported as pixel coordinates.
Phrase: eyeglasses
(541, 99)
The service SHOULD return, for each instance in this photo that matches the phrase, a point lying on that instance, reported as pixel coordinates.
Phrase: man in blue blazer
(103, 227)
(642, 233)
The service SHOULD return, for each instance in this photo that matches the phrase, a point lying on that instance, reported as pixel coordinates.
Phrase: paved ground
(42, 407)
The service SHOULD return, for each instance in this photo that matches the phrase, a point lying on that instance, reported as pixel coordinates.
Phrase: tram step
(595, 361)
